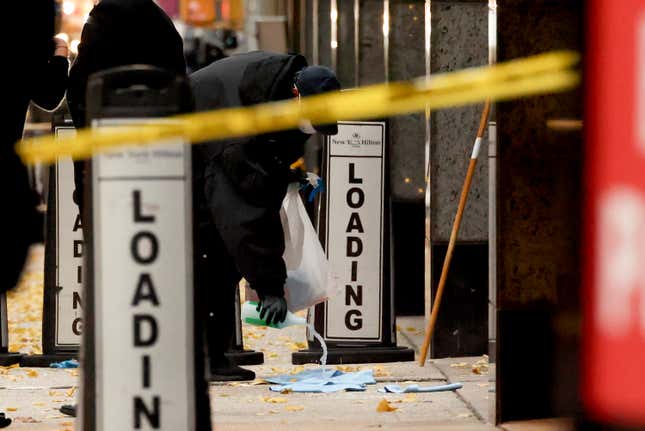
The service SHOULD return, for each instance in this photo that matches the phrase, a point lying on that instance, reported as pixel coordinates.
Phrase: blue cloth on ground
(70, 363)
(322, 381)
(396, 389)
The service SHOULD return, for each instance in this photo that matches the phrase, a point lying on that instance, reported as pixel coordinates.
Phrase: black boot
(224, 371)
(68, 410)
(4, 422)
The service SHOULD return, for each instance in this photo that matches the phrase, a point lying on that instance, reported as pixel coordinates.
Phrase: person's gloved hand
(273, 309)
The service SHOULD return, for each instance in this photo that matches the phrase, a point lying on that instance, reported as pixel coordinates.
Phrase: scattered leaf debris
(294, 408)
(384, 407)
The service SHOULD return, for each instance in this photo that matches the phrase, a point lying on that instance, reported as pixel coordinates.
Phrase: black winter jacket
(32, 74)
(245, 179)
(119, 33)
(245, 80)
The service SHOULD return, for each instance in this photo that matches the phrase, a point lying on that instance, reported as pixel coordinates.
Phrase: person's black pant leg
(217, 278)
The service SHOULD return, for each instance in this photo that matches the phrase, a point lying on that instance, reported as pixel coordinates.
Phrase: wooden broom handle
(453, 235)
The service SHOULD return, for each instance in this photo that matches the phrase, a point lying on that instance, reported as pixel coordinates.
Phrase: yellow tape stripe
(544, 73)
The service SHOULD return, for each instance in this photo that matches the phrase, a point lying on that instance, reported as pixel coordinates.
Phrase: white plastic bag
(308, 280)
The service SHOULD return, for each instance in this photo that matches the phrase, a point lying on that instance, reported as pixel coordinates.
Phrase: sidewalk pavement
(32, 396)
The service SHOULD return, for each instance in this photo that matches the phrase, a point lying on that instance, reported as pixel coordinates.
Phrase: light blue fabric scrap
(396, 389)
(71, 363)
(322, 381)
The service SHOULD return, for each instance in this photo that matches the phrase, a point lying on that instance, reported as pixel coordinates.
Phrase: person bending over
(241, 187)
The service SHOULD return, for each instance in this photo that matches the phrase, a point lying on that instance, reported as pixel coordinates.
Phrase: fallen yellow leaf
(294, 408)
(384, 407)
(70, 393)
(12, 409)
(347, 368)
(32, 373)
(481, 366)
(275, 400)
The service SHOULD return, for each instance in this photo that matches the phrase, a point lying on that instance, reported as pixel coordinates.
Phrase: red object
(170, 6)
(225, 10)
(613, 359)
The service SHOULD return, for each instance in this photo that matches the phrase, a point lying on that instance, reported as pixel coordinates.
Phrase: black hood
(244, 80)
(269, 77)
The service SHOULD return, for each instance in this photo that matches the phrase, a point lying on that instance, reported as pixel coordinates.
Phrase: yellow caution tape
(545, 73)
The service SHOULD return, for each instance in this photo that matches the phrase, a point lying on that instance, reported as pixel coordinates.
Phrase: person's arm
(50, 83)
(248, 220)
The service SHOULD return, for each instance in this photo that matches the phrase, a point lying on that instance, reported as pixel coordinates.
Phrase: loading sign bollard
(62, 303)
(358, 324)
(6, 358)
(143, 361)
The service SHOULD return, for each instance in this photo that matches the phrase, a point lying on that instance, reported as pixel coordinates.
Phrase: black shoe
(68, 410)
(230, 373)
(4, 422)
